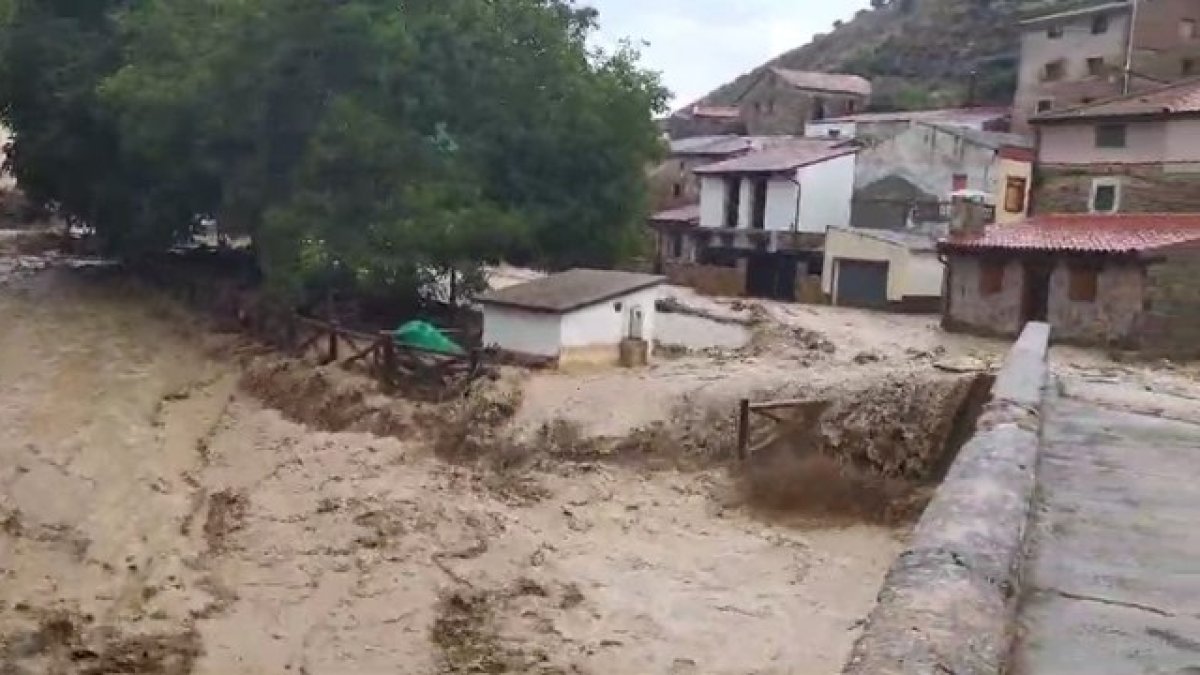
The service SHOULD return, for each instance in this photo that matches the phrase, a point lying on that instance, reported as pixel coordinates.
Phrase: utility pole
(1133, 19)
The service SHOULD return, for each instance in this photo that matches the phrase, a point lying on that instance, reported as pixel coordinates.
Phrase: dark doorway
(758, 218)
(772, 275)
(1035, 304)
(733, 201)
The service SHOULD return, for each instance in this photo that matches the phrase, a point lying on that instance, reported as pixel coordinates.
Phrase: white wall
(522, 331)
(781, 204)
(603, 324)
(712, 201)
(823, 129)
(826, 191)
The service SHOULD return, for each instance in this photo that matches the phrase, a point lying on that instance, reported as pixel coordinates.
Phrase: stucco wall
(712, 201)
(781, 204)
(608, 324)
(967, 308)
(1076, 144)
(827, 190)
(929, 158)
(521, 331)
(910, 274)
(1114, 316)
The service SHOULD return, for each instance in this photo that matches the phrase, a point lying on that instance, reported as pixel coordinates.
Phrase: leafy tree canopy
(361, 144)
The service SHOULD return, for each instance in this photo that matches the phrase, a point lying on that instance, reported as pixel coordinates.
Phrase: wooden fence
(780, 417)
(397, 366)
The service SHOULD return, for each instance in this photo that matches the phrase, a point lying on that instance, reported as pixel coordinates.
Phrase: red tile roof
(1173, 99)
(831, 82)
(1084, 233)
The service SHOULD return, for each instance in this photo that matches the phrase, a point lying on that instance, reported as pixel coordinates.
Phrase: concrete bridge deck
(1112, 583)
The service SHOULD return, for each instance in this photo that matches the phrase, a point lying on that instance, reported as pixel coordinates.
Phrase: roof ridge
(1133, 96)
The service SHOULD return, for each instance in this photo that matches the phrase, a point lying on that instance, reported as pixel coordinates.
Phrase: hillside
(920, 53)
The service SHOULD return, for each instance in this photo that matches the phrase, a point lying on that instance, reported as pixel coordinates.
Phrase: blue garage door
(862, 283)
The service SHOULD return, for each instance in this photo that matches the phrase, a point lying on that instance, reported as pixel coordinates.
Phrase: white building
(580, 316)
(804, 185)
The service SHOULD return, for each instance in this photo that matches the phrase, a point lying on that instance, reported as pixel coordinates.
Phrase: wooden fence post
(743, 428)
(333, 343)
(389, 360)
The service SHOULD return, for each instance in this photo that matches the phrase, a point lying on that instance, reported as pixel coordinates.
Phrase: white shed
(580, 316)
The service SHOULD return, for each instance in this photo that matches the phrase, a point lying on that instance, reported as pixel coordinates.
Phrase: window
(1015, 189)
(1045, 105)
(1100, 24)
(770, 106)
(818, 109)
(1187, 29)
(1053, 71)
(677, 190)
(733, 201)
(991, 278)
(758, 107)
(1083, 284)
(958, 182)
(677, 245)
(1095, 66)
(835, 133)
(1187, 67)
(1110, 135)
(851, 106)
(1054, 32)
(1106, 196)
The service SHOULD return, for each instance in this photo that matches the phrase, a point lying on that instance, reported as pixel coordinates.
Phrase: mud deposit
(158, 519)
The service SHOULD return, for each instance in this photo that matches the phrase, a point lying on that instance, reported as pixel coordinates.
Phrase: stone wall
(1144, 188)
(1112, 319)
(948, 605)
(773, 107)
(968, 309)
(709, 279)
(1171, 322)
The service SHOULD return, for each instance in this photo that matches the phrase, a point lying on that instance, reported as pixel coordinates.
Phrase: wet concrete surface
(1112, 584)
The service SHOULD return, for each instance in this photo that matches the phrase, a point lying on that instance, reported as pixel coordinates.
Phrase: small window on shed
(991, 278)
(1045, 105)
(1100, 24)
(1084, 283)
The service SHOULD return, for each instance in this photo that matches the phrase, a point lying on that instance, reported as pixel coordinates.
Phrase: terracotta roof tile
(831, 82)
(1084, 233)
(1173, 99)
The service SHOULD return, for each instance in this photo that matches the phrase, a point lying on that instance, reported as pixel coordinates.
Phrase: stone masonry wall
(1144, 188)
(969, 310)
(1113, 318)
(1171, 323)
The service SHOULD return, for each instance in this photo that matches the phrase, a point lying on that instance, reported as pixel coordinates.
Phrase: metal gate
(862, 283)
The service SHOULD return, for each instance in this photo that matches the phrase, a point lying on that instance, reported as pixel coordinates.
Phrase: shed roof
(832, 82)
(784, 156)
(1173, 99)
(571, 290)
(1084, 233)
(689, 214)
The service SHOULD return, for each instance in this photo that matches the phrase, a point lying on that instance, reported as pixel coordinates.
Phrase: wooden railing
(802, 414)
(397, 366)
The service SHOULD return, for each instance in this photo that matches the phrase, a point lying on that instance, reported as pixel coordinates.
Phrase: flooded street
(157, 520)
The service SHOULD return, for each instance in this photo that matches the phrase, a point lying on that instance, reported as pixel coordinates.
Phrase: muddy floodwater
(155, 519)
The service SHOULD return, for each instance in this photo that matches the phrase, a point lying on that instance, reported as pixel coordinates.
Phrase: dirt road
(157, 520)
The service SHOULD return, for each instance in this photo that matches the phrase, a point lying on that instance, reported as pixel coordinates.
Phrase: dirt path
(156, 520)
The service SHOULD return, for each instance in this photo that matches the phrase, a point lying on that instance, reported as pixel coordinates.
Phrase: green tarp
(422, 335)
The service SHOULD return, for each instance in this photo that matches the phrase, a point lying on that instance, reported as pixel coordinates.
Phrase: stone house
(704, 120)
(782, 102)
(760, 226)
(921, 168)
(1075, 57)
(1129, 154)
(1126, 280)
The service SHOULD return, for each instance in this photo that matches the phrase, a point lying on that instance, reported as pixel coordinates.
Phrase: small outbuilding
(882, 269)
(580, 316)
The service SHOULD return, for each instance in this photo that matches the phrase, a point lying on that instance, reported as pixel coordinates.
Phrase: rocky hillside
(920, 53)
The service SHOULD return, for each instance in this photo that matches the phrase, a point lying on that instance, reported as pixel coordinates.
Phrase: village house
(705, 120)
(871, 127)
(579, 317)
(760, 226)
(882, 269)
(781, 102)
(673, 182)
(1126, 280)
(1085, 54)
(906, 182)
(1129, 154)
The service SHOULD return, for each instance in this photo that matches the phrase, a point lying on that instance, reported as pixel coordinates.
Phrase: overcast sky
(700, 44)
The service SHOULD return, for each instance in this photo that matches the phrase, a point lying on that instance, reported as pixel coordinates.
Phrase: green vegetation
(364, 145)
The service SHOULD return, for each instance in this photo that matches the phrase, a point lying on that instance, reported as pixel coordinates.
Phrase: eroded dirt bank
(156, 519)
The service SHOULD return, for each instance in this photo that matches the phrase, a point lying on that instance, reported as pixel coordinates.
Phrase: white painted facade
(813, 199)
(592, 333)
(831, 129)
